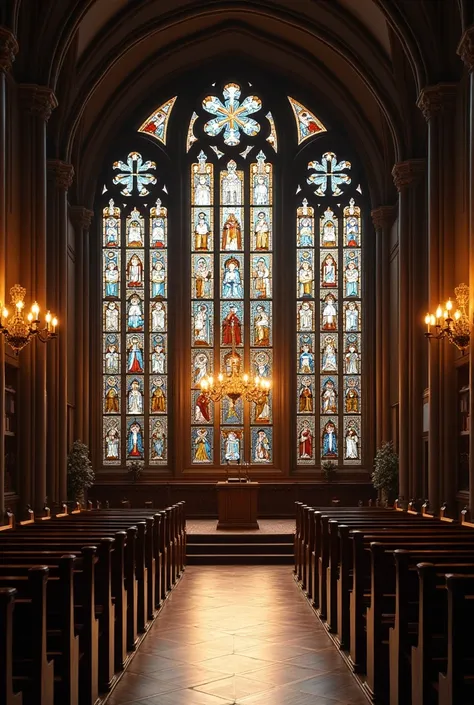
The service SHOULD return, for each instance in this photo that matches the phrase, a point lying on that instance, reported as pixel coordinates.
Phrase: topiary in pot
(329, 470)
(385, 474)
(80, 475)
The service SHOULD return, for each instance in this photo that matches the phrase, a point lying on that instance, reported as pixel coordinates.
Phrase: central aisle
(237, 634)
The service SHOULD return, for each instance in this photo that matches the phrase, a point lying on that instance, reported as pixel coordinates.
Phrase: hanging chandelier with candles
(235, 384)
(17, 329)
(455, 327)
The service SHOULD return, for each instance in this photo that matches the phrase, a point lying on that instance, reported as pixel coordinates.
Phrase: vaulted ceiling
(368, 58)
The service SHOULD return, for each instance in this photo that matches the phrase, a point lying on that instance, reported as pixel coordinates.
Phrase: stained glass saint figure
(262, 364)
(158, 398)
(352, 231)
(262, 447)
(306, 396)
(305, 317)
(329, 398)
(135, 314)
(201, 410)
(306, 359)
(112, 316)
(352, 399)
(135, 235)
(158, 442)
(262, 232)
(202, 191)
(158, 317)
(329, 445)
(135, 441)
(305, 232)
(203, 278)
(351, 358)
(352, 316)
(202, 447)
(232, 447)
(329, 360)
(201, 233)
(305, 441)
(158, 359)
(352, 444)
(328, 238)
(111, 358)
(305, 279)
(231, 328)
(158, 235)
(112, 397)
(231, 234)
(158, 279)
(135, 398)
(135, 357)
(260, 190)
(352, 280)
(111, 232)
(328, 272)
(231, 282)
(111, 280)
(261, 279)
(261, 327)
(231, 187)
(202, 326)
(201, 367)
(329, 313)
(112, 444)
(262, 407)
(135, 272)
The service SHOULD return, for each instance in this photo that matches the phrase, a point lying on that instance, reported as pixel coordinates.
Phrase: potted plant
(329, 470)
(385, 474)
(80, 475)
(134, 470)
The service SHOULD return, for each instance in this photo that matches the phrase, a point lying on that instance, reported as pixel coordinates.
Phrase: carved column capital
(38, 100)
(408, 173)
(8, 49)
(433, 100)
(81, 217)
(384, 217)
(61, 173)
(466, 48)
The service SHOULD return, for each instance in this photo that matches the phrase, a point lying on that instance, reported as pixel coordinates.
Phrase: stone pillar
(37, 103)
(81, 219)
(466, 51)
(383, 218)
(407, 177)
(60, 176)
(437, 105)
(8, 50)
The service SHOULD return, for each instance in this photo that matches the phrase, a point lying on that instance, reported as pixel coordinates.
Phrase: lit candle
(35, 310)
(457, 315)
(30, 317)
(55, 323)
(439, 312)
(4, 312)
(432, 320)
(449, 304)
(427, 321)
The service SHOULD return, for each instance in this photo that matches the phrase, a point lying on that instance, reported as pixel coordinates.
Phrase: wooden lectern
(237, 503)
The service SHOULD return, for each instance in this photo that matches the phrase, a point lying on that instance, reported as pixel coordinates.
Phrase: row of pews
(396, 591)
(77, 593)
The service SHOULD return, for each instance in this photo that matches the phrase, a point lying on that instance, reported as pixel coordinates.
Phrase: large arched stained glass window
(329, 318)
(134, 321)
(232, 276)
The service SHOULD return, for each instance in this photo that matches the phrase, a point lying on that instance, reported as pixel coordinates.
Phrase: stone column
(466, 51)
(81, 219)
(437, 105)
(60, 176)
(383, 218)
(407, 177)
(37, 103)
(8, 50)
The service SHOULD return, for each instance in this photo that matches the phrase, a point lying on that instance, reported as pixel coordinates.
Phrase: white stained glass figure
(135, 272)
(305, 277)
(352, 224)
(202, 326)
(231, 186)
(261, 181)
(135, 230)
(329, 313)
(352, 444)
(261, 279)
(158, 226)
(352, 359)
(352, 316)
(231, 234)
(111, 232)
(158, 359)
(306, 359)
(111, 358)
(201, 367)
(231, 282)
(305, 317)
(232, 446)
(329, 398)
(262, 447)
(329, 360)
(135, 314)
(112, 444)
(202, 182)
(328, 229)
(262, 364)
(135, 398)
(158, 279)
(328, 272)
(201, 233)
(305, 227)
(111, 276)
(112, 317)
(158, 317)
(352, 279)
(262, 232)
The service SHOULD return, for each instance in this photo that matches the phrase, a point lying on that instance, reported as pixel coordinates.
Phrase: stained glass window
(135, 292)
(156, 124)
(231, 283)
(307, 124)
(328, 320)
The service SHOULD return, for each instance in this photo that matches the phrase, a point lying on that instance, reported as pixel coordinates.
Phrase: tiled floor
(237, 634)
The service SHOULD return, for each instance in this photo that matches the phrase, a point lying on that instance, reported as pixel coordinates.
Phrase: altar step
(239, 549)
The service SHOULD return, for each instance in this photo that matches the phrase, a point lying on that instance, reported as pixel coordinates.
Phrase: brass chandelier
(455, 327)
(19, 331)
(235, 384)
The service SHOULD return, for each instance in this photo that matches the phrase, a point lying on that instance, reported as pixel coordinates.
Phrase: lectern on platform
(237, 504)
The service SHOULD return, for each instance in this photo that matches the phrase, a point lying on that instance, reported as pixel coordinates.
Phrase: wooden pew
(7, 605)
